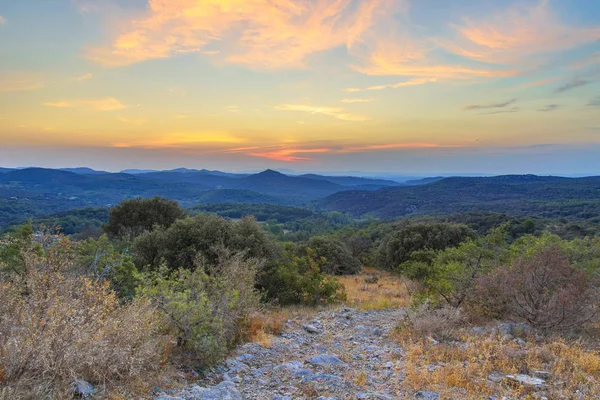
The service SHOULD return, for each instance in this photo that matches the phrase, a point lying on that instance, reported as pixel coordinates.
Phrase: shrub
(398, 246)
(205, 306)
(133, 217)
(296, 280)
(55, 326)
(338, 258)
(424, 320)
(179, 245)
(542, 289)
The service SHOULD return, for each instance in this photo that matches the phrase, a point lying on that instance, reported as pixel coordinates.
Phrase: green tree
(338, 258)
(133, 217)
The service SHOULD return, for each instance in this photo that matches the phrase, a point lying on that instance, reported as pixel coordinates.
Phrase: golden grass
(374, 289)
(463, 367)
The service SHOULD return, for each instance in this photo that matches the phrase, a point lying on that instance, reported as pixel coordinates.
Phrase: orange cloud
(392, 146)
(19, 81)
(517, 34)
(289, 155)
(183, 140)
(412, 82)
(258, 33)
(105, 104)
(335, 112)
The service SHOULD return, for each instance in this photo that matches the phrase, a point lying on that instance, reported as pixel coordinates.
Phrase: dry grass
(374, 289)
(55, 327)
(463, 367)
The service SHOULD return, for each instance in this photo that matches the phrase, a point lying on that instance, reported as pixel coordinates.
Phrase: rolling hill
(544, 196)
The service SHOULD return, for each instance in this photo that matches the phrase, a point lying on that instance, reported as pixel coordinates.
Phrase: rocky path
(340, 355)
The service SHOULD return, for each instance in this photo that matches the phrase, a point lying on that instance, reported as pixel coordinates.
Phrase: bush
(542, 289)
(133, 217)
(204, 307)
(179, 245)
(440, 323)
(398, 246)
(55, 326)
(338, 258)
(296, 280)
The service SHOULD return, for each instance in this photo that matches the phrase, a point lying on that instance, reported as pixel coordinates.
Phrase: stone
(302, 373)
(528, 381)
(83, 389)
(542, 374)
(427, 395)
(245, 357)
(326, 359)
(223, 391)
(311, 329)
(496, 377)
(322, 378)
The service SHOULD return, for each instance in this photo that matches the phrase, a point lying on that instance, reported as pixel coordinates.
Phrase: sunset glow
(401, 86)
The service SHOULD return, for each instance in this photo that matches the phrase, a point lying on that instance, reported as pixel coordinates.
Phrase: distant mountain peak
(270, 172)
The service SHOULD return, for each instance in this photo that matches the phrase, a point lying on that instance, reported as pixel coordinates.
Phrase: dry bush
(543, 290)
(390, 290)
(427, 321)
(55, 327)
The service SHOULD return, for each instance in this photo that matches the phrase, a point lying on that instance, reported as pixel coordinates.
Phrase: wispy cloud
(288, 155)
(103, 104)
(493, 105)
(335, 112)
(518, 35)
(508, 111)
(573, 84)
(357, 100)
(550, 107)
(594, 102)
(590, 60)
(527, 85)
(412, 82)
(258, 33)
(183, 141)
(2, 20)
(133, 121)
(19, 81)
(84, 77)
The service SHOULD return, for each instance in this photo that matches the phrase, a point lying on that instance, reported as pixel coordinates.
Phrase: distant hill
(239, 196)
(351, 180)
(544, 196)
(423, 181)
(273, 182)
(262, 212)
(3, 170)
(83, 171)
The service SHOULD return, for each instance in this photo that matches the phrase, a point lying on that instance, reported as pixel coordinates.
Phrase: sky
(376, 86)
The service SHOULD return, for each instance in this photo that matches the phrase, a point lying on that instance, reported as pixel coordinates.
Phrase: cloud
(575, 83)
(528, 85)
(300, 154)
(588, 61)
(2, 20)
(84, 77)
(133, 121)
(356, 100)
(550, 107)
(517, 35)
(510, 110)
(183, 141)
(484, 106)
(289, 155)
(19, 81)
(104, 104)
(412, 82)
(335, 112)
(267, 34)
(594, 102)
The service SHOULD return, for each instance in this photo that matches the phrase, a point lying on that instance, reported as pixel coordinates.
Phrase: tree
(338, 258)
(202, 235)
(133, 217)
(398, 246)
